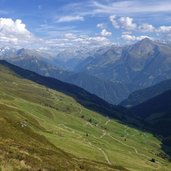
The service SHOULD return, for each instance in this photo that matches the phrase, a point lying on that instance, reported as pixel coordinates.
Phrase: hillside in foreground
(46, 129)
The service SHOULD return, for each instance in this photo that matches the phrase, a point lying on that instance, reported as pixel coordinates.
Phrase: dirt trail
(105, 155)
(107, 122)
(104, 133)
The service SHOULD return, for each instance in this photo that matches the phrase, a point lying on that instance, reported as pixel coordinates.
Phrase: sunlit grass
(55, 121)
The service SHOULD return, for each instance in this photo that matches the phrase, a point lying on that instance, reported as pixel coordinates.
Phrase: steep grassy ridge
(41, 128)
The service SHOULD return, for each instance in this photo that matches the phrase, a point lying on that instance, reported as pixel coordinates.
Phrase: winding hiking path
(100, 149)
(81, 111)
(133, 148)
(104, 133)
(107, 122)
(126, 132)
(68, 128)
(121, 142)
(106, 156)
(88, 123)
(103, 152)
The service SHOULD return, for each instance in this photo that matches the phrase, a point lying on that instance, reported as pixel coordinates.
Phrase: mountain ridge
(142, 64)
(75, 91)
(126, 69)
(143, 95)
(105, 89)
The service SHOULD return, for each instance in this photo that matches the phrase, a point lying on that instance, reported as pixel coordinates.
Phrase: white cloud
(128, 37)
(115, 24)
(75, 42)
(127, 23)
(70, 36)
(70, 18)
(151, 28)
(127, 32)
(117, 7)
(14, 32)
(98, 40)
(101, 26)
(147, 28)
(7, 25)
(129, 7)
(164, 29)
(105, 33)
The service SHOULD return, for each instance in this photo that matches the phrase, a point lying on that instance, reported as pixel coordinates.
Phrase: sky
(61, 24)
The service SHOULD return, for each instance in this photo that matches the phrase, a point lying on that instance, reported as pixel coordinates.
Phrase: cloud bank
(14, 32)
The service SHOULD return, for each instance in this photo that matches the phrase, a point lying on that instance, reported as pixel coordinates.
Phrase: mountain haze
(111, 74)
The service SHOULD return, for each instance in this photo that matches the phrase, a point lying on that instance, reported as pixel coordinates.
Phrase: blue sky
(72, 23)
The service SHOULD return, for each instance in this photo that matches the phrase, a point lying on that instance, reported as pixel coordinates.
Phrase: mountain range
(111, 74)
(140, 65)
(106, 89)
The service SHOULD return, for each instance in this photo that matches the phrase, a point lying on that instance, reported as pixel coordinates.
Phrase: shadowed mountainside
(156, 114)
(83, 97)
(112, 92)
(143, 95)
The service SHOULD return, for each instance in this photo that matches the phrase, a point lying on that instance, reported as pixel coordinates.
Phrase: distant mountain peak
(145, 41)
(144, 46)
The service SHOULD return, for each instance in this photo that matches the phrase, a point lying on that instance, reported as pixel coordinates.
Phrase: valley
(61, 121)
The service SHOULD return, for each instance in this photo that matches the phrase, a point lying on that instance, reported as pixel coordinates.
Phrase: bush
(153, 160)
(82, 116)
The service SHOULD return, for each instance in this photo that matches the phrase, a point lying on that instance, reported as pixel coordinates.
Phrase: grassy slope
(36, 122)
